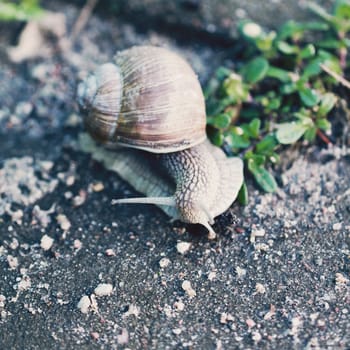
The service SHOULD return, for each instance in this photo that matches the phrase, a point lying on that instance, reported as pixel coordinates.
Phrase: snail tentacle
(170, 201)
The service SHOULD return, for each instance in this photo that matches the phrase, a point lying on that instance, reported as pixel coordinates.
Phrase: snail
(148, 104)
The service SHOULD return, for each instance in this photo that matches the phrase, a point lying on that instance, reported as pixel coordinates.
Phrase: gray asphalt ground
(276, 277)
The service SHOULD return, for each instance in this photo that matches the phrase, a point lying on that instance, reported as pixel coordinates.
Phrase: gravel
(80, 273)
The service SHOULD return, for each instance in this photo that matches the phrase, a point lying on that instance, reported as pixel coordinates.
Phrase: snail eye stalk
(170, 201)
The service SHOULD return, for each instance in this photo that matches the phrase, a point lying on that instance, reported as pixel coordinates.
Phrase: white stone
(103, 289)
(46, 242)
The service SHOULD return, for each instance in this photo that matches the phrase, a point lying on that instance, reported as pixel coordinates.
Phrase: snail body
(150, 100)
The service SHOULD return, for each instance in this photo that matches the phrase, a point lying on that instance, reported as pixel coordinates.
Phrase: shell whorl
(100, 97)
(157, 105)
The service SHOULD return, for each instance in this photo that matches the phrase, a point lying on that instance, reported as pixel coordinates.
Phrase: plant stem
(323, 137)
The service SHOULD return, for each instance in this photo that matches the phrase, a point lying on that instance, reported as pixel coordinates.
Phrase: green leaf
(278, 73)
(274, 158)
(254, 127)
(235, 88)
(295, 30)
(264, 179)
(342, 9)
(222, 72)
(274, 104)
(310, 134)
(309, 97)
(257, 159)
(266, 145)
(237, 141)
(312, 68)
(315, 25)
(308, 51)
(327, 103)
(265, 42)
(288, 133)
(289, 29)
(255, 70)
(217, 138)
(320, 11)
(221, 121)
(23, 11)
(250, 112)
(323, 124)
(288, 89)
(287, 49)
(243, 195)
(331, 43)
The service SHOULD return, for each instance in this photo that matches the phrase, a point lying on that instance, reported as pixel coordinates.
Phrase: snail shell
(149, 98)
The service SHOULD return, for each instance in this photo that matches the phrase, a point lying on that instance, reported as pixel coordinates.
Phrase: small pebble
(340, 279)
(46, 242)
(2, 300)
(98, 187)
(73, 120)
(93, 305)
(225, 317)
(24, 284)
(43, 216)
(63, 222)
(16, 216)
(211, 275)
(133, 310)
(250, 323)
(164, 262)
(95, 335)
(123, 337)
(256, 233)
(14, 244)
(110, 252)
(240, 272)
(186, 286)
(12, 261)
(103, 289)
(70, 180)
(80, 199)
(321, 323)
(179, 305)
(297, 322)
(84, 304)
(77, 244)
(177, 331)
(183, 247)
(256, 336)
(23, 109)
(337, 226)
(260, 288)
(262, 247)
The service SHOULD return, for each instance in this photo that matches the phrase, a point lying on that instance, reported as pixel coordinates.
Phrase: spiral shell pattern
(148, 98)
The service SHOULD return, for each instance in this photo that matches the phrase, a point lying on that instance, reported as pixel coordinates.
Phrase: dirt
(80, 273)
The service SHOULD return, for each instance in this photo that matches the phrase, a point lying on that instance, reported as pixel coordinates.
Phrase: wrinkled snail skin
(195, 173)
(150, 99)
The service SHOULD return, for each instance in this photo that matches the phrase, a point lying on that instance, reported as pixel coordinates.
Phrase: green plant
(282, 93)
(22, 10)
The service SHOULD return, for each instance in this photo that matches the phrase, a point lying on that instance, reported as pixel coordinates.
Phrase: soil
(276, 277)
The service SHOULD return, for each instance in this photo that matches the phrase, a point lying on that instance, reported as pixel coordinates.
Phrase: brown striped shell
(149, 98)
